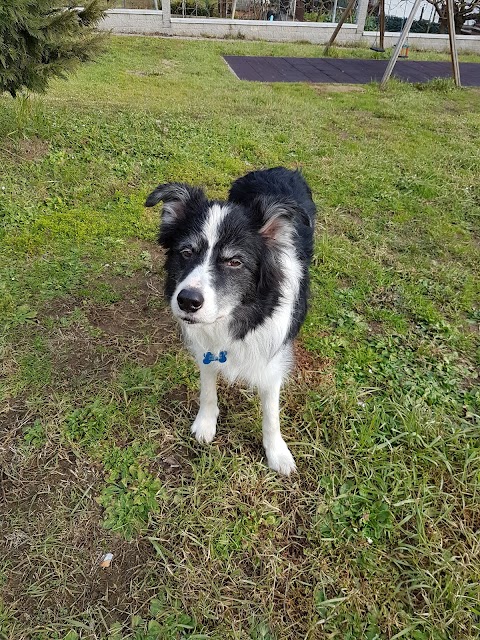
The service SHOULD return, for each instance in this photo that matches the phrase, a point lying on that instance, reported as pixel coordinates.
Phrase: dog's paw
(280, 459)
(204, 429)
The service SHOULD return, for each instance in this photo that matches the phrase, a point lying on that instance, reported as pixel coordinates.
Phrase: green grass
(377, 535)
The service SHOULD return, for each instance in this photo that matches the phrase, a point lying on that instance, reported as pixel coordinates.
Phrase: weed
(131, 495)
(442, 85)
(35, 435)
(88, 425)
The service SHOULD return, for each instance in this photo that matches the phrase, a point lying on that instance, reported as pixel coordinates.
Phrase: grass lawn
(377, 536)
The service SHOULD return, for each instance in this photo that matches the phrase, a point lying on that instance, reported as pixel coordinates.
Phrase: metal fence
(275, 10)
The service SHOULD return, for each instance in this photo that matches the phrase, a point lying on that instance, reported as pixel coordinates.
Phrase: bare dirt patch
(375, 327)
(27, 150)
(140, 310)
(164, 65)
(338, 88)
(137, 328)
(311, 368)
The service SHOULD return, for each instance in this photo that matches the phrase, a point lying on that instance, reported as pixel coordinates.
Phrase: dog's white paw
(280, 459)
(204, 428)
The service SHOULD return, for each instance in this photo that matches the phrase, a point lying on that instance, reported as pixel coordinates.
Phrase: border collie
(237, 281)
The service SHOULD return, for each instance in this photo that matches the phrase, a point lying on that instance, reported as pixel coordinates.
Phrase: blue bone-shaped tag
(209, 357)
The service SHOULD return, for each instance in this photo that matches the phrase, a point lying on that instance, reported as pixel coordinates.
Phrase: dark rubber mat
(344, 70)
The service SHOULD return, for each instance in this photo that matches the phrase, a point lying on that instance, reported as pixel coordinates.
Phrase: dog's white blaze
(216, 215)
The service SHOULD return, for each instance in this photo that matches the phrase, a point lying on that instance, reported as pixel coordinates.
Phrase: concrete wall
(153, 22)
(426, 41)
(263, 30)
(134, 21)
(156, 23)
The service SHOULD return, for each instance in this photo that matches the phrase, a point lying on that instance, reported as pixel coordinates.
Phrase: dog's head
(222, 258)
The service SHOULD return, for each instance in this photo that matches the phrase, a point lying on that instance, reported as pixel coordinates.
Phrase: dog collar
(211, 357)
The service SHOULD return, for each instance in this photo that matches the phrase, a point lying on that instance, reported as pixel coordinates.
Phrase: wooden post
(382, 24)
(345, 15)
(453, 44)
(400, 43)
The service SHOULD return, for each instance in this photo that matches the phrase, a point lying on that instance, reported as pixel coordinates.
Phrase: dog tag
(210, 357)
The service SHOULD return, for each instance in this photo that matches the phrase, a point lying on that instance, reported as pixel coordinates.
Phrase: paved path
(344, 70)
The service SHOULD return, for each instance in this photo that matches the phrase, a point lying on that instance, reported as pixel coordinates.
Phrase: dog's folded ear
(278, 219)
(175, 196)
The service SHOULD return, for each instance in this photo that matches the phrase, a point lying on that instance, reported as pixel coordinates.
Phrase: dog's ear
(175, 196)
(277, 219)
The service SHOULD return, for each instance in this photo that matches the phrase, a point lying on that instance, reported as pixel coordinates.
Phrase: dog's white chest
(250, 360)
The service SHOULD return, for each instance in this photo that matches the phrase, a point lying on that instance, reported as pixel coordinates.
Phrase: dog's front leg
(205, 424)
(278, 454)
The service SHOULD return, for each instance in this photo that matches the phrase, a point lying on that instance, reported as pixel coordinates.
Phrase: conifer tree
(40, 39)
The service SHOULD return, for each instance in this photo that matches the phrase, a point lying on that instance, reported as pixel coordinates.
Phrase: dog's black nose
(190, 300)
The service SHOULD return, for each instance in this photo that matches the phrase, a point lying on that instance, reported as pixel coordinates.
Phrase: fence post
(166, 14)
(362, 8)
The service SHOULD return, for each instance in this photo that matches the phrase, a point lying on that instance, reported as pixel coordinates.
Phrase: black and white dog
(237, 280)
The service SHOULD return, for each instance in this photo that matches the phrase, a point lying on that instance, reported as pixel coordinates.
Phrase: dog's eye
(235, 263)
(186, 253)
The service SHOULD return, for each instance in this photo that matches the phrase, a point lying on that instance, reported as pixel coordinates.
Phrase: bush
(206, 8)
(395, 24)
(39, 40)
